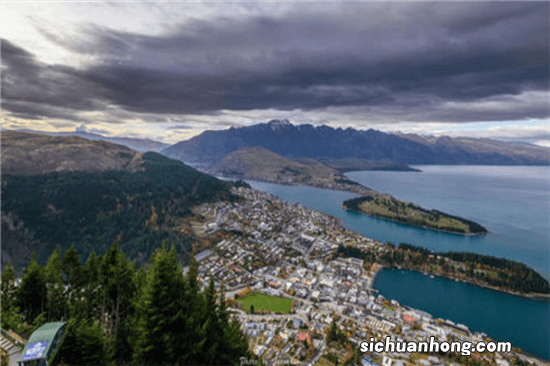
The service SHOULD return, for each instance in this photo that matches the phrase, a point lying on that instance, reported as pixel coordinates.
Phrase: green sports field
(271, 303)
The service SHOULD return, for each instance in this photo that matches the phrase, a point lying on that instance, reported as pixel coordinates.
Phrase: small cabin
(42, 345)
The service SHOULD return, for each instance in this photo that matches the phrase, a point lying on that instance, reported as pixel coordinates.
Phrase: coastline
(372, 279)
(531, 296)
(418, 226)
(360, 190)
(353, 188)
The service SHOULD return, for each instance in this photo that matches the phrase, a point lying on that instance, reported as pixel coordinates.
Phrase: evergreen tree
(11, 318)
(72, 268)
(7, 288)
(56, 303)
(52, 270)
(32, 292)
(83, 344)
(193, 316)
(233, 343)
(86, 305)
(191, 279)
(116, 278)
(161, 326)
(212, 328)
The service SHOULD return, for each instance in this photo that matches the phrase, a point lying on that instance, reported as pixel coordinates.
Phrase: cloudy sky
(169, 70)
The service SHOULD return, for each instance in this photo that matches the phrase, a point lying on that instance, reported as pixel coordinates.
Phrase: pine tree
(161, 313)
(32, 292)
(7, 287)
(193, 317)
(56, 303)
(83, 344)
(192, 283)
(233, 343)
(85, 305)
(11, 318)
(116, 280)
(212, 329)
(72, 268)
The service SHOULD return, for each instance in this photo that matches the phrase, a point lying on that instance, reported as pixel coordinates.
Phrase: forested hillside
(91, 210)
(484, 270)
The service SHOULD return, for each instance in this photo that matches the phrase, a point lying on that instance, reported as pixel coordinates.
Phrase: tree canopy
(117, 314)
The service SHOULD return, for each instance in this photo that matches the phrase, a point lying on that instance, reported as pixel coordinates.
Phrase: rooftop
(40, 341)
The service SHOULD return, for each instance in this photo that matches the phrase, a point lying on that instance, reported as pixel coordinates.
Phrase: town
(284, 256)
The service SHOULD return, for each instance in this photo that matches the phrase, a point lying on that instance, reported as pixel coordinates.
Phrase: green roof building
(42, 345)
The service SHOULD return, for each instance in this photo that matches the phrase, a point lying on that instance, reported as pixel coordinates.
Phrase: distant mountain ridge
(323, 142)
(137, 144)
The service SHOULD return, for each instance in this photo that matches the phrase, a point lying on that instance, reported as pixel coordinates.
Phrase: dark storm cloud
(32, 89)
(32, 110)
(397, 55)
(309, 63)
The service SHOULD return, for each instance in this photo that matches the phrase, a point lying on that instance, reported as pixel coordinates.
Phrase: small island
(389, 208)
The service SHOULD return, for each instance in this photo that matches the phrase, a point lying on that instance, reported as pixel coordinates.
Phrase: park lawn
(267, 302)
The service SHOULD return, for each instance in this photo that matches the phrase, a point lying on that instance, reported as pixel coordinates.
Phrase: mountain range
(323, 142)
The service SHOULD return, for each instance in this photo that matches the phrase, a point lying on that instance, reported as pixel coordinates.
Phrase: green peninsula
(390, 208)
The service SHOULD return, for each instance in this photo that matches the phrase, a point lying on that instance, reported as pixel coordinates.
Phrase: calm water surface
(512, 202)
(504, 317)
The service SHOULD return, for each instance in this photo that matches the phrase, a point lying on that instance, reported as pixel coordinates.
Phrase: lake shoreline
(542, 297)
(364, 191)
(384, 284)
(418, 226)
(476, 187)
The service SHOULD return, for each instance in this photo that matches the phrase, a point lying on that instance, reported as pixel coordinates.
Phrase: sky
(170, 70)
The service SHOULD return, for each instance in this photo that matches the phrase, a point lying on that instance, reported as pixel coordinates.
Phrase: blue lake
(504, 317)
(512, 202)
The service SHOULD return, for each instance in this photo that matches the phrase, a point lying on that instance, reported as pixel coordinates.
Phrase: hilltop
(28, 154)
(137, 144)
(258, 163)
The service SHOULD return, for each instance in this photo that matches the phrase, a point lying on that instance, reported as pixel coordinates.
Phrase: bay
(512, 202)
(504, 317)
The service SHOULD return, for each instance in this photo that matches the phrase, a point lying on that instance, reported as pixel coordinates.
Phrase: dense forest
(91, 210)
(477, 268)
(118, 314)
